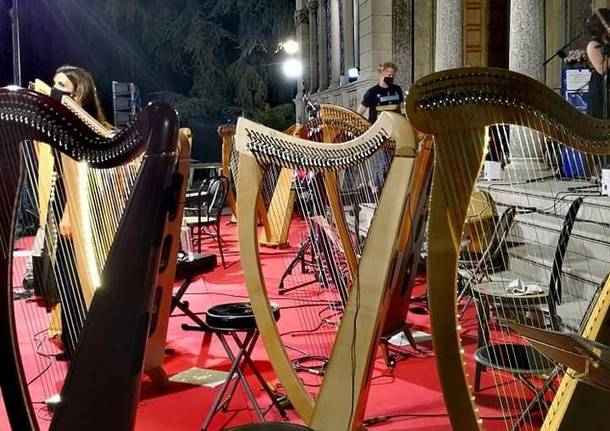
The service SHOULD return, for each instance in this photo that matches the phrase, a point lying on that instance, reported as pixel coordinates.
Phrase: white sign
(577, 79)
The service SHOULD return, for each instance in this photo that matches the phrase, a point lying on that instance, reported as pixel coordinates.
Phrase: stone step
(588, 239)
(536, 234)
(581, 274)
(551, 196)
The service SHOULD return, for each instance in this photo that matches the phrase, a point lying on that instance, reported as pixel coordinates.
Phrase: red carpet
(408, 395)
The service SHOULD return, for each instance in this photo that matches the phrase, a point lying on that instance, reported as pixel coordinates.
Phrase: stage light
(291, 47)
(352, 74)
(292, 68)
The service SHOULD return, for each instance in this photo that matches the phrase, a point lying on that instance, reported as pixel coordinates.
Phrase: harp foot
(158, 377)
(389, 358)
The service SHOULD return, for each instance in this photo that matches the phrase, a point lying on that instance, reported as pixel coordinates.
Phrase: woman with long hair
(78, 84)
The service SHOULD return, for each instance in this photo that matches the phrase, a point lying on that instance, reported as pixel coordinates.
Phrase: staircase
(534, 237)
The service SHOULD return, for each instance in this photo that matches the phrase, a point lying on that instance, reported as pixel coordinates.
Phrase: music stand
(590, 360)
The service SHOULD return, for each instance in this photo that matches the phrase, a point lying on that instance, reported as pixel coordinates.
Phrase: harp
(342, 397)
(334, 124)
(276, 201)
(89, 192)
(458, 108)
(106, 368)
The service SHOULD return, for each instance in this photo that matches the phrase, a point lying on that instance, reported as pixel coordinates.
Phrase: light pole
(14, 15)
(292, 67)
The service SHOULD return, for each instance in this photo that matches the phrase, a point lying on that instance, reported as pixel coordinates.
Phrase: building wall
(405, 31)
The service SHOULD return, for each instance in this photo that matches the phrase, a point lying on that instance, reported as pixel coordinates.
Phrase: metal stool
(271, 426)
(235, 319)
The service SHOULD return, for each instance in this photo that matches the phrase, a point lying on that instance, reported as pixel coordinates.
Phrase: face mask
(57, 94)
(389, 80)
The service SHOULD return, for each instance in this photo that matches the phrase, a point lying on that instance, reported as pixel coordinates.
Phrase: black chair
(187, 270)
(495, 256)
(535, 310)
(204, 218)
(236, 321)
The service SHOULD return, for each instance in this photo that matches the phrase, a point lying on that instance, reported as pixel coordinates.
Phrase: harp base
(389, 358)
(158, 378)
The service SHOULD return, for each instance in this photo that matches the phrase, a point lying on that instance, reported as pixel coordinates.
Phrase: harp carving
(342, 398)
(457, 108)
(106, 369)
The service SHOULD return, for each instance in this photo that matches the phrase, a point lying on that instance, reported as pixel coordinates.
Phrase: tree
(223, 48)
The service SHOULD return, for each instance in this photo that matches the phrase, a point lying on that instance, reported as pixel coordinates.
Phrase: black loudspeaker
(125, 101)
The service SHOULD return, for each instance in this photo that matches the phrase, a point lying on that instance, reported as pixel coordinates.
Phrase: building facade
(422, 36)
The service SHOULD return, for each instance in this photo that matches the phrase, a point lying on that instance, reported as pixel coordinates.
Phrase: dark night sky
(58, 32)
(77, 34)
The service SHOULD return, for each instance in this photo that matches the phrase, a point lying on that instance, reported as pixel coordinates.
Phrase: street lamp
(290, 47)
(292, 68)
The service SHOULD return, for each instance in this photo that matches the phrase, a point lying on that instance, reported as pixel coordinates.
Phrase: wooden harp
(106, 369)
(342, 397)
(474, 113)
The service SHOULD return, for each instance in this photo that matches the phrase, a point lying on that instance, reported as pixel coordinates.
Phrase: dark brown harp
(106, 369)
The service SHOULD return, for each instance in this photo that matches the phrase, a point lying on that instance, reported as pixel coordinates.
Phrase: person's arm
(365, 104)
(596, 57)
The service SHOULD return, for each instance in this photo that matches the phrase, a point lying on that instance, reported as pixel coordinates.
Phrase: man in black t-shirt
(385, 96)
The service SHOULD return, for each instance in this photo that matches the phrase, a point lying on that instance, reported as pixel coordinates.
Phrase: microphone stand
(14, 15)
(561, 52)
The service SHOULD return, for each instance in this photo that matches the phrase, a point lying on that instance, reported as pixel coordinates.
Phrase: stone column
(348, 36)
(449, 35)
(322, 47)
(526, 55)
(335, 43)
(402, 42)
(301, 24)
(526, 40)
(375, 36)
(313, 5)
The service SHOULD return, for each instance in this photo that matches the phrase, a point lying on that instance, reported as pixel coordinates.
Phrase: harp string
(322, 227)
(513, 397)
(46, 371)
(106, 194)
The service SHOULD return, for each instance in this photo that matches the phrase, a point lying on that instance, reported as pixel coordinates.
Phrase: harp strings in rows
(324, 288)
(53, 305)
(511, 276)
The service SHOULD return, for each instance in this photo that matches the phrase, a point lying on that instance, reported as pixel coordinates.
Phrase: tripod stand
(307, 258)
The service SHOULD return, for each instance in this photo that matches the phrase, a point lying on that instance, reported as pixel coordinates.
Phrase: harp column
(525, 55)
(449, 35)
(301, 24)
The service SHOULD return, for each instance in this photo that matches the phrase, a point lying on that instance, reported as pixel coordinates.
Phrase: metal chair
(205, 222)
(475, 271)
